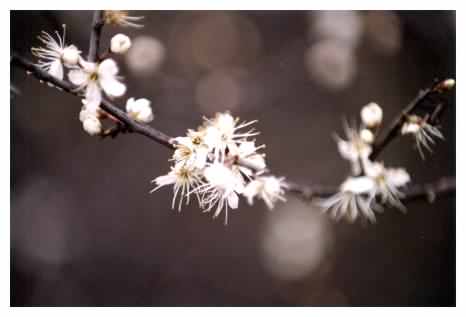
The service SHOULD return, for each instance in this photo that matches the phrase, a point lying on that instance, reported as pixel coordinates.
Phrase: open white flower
(422, 131)
(388, 182)
(139, 109)
(247, 153)
(120, 44)
(221, 189)
(96, 77)
(354, 149)
(222, 131)
(355, 199)
(184, 179)
(191, 149)
(268, 188)
(55, 54)
(121, 18)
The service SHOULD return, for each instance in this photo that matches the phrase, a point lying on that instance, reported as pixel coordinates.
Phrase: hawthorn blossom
(422, 131)
(388, 182)
(221, 189)
(139, 109)
(56, 54)
(354, 149)
(191, 150)
(184, 179)
(268, 188)
(247, 152)
(95, 77)
(121, 18)
(354, 199)
(222, 131)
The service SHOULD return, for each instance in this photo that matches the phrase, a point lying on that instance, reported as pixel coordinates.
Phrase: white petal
(108, 68)
(56, 69)
(78, 77)
(112, 87)
(93, 95)
(233, 200)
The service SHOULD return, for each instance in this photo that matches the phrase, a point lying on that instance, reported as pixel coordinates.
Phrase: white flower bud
(371, 115)
(120, 44)
(367, 136)
(140, 110)
(92, 125)
(70, 55)
(410, 128)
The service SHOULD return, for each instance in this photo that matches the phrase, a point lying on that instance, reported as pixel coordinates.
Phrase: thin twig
(395, 128)
(96, 32)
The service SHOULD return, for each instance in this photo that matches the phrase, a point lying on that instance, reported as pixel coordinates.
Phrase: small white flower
(388, 181)
(422, 131)
(221, 190)
(97, 77)
(120, 44)
(355, 199)
(92, 125)
(191, 149)
(222, 131)
(121, 18)
(139, 109)
(247, 152)
(355, 149)
(269, 188)
(371, 115)
(55, 54)
(367, 136)
(182, 178)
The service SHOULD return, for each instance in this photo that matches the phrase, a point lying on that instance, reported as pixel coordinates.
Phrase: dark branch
(429, 191)
(442, 186)
(435, 92)
(131, 124)
(94, 42)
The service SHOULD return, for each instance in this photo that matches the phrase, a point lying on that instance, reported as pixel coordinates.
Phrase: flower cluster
(93, 79)
(371, 184)
(218, 162)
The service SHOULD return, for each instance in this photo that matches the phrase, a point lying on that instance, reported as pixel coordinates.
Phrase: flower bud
(120, 44)
(366, 136)
(70, 55)
(140, 110)
(371, 115)
(410, 128)
(92, 125)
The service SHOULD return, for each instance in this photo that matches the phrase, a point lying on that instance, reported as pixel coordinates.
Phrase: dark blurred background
(86, 231)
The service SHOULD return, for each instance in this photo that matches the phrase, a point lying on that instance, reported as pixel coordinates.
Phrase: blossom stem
(437, 90)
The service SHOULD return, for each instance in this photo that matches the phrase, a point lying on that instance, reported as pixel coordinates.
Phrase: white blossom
(354, 199)
(354, 149)
(246, 152)
(372, 115)
(121, 18)
(422, 131)
(120, 44)
(139, 109)
(222, 131)
(367, 136)
(191, 150)
(388, 182)
(95, 77)
(221, 189)
(268, 188)
(184, 179)
(56, 54)
(92, 125)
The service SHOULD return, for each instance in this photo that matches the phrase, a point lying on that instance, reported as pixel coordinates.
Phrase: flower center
(94, 76)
